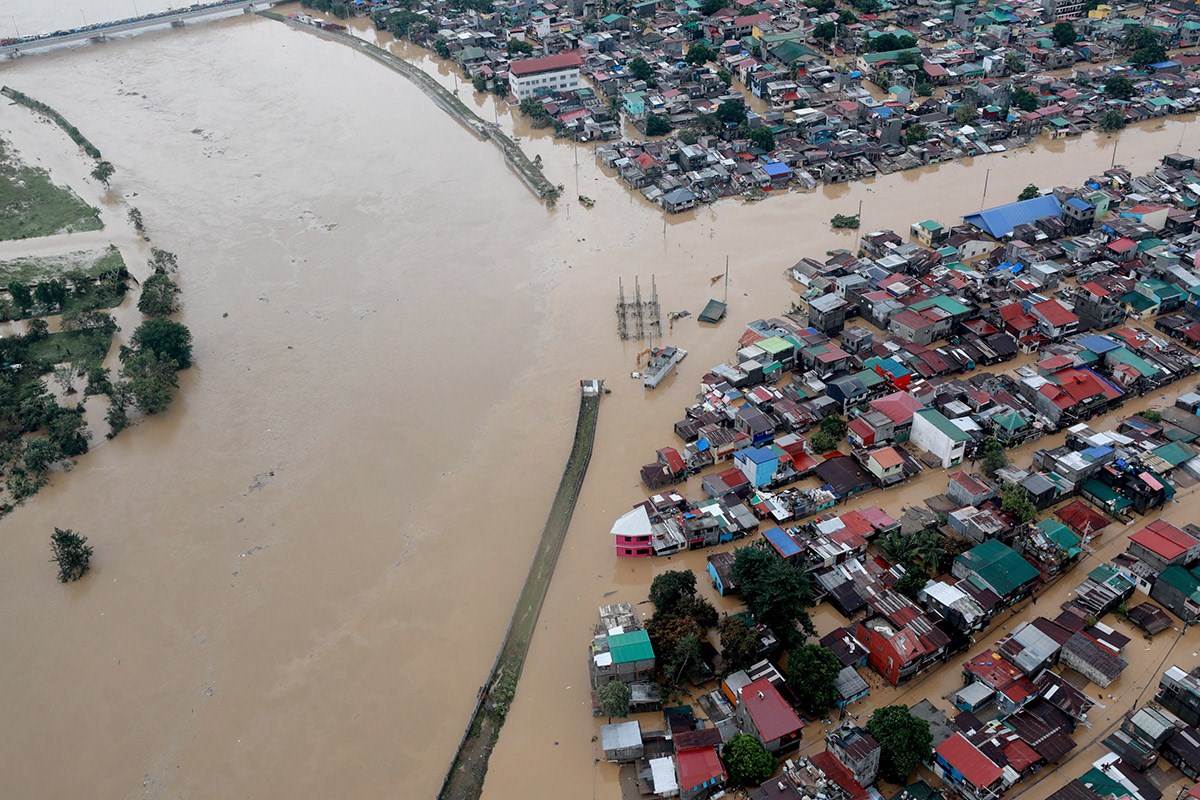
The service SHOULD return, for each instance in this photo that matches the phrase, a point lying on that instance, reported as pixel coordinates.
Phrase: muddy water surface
(304, 570)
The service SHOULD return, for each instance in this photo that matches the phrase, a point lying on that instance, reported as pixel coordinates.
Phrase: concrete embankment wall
(464, 780)
(529, 173)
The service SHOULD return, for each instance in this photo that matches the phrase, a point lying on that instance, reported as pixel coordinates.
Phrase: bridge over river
(102, 31)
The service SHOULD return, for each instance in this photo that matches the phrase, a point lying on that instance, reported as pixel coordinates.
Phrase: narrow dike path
(529, 173)
(464, 780)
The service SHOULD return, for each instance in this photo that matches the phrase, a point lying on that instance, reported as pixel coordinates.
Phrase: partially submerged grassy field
(87, 348)
(32, 205)
(34, 269)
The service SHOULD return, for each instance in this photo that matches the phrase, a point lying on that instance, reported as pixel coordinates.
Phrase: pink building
(632, 532)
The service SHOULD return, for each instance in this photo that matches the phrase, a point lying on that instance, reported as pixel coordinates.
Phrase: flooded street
(304, 569)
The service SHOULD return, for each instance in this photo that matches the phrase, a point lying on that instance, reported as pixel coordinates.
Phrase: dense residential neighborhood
(1034, 399)
(692, 102)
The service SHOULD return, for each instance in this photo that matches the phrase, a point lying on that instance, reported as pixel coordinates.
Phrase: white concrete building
(932, 432)
(534, 76)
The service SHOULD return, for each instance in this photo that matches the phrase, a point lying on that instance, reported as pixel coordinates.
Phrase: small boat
(586, 201)
(663, 361)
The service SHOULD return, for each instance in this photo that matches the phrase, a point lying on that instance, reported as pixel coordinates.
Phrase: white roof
(603, 659)
(944, 593)
(663, 771)
(620, 735)
(633, 523)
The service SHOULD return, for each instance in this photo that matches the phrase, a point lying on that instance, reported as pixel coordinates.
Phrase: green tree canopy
(517, 46)
(732, 112)
(762, 138)
(103, 172)
(1014, 500)
(915, 134)
(822, 442)
(905, 741)
(748, 761)
(1024, 99)
(777, 594)
(168, 339)
(658, 125)
(613, 698)
(152, 381)
(711, 7)
(640, 69)
(1112, 121)
(159, 297)
(966, 114)
(1028, 193)
(994, 456)
(825, 31)
(812, 673)
(670, 587)
(1145, 46)
(835, 426)
(72, 554)
(739, 644)
(1118, 87)
(1064, 33)
(700, 53)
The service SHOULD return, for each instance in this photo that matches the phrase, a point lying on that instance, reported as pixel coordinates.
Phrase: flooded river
(304, 570)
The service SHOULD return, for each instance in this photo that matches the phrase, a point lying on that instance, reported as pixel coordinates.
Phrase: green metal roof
(1010, 421)
(1107, 494)
(1123, 356)
(999, 566)
(1174, 453)
(935, 418)
(1181, 579)
(632, 646)
(869, 377)
(1061, 535)
(775, 345)
(947, 304)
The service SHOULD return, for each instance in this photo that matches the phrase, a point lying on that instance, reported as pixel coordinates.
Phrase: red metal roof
(698, 766)
(972, 764)
(1164, 539)
(1054, 313)
(534, 66)
(887, 457)
(837, 773)
(673, 460)
(897, 406)
(773, 717)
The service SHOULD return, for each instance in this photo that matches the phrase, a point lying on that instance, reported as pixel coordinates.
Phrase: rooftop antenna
(726, 279)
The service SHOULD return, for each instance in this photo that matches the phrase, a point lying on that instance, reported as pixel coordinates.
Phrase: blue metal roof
(1097, 344)
(759, 455)
(999, 222)
(776, 168)
(1081, 205)
(785, 545)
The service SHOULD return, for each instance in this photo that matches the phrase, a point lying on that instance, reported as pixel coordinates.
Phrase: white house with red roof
(534, 76)
(1054, 319)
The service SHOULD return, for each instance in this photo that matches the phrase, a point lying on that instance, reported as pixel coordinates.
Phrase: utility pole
(15, 28)
(1114, 157)
(983, 199)
(860, 229)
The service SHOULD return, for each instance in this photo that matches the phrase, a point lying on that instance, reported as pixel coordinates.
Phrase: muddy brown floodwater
(305, 568)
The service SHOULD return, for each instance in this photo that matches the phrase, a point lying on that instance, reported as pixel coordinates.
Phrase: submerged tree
(103, 172)
(905, 741)
(613, 698)
(749, 762)
(72, 554)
